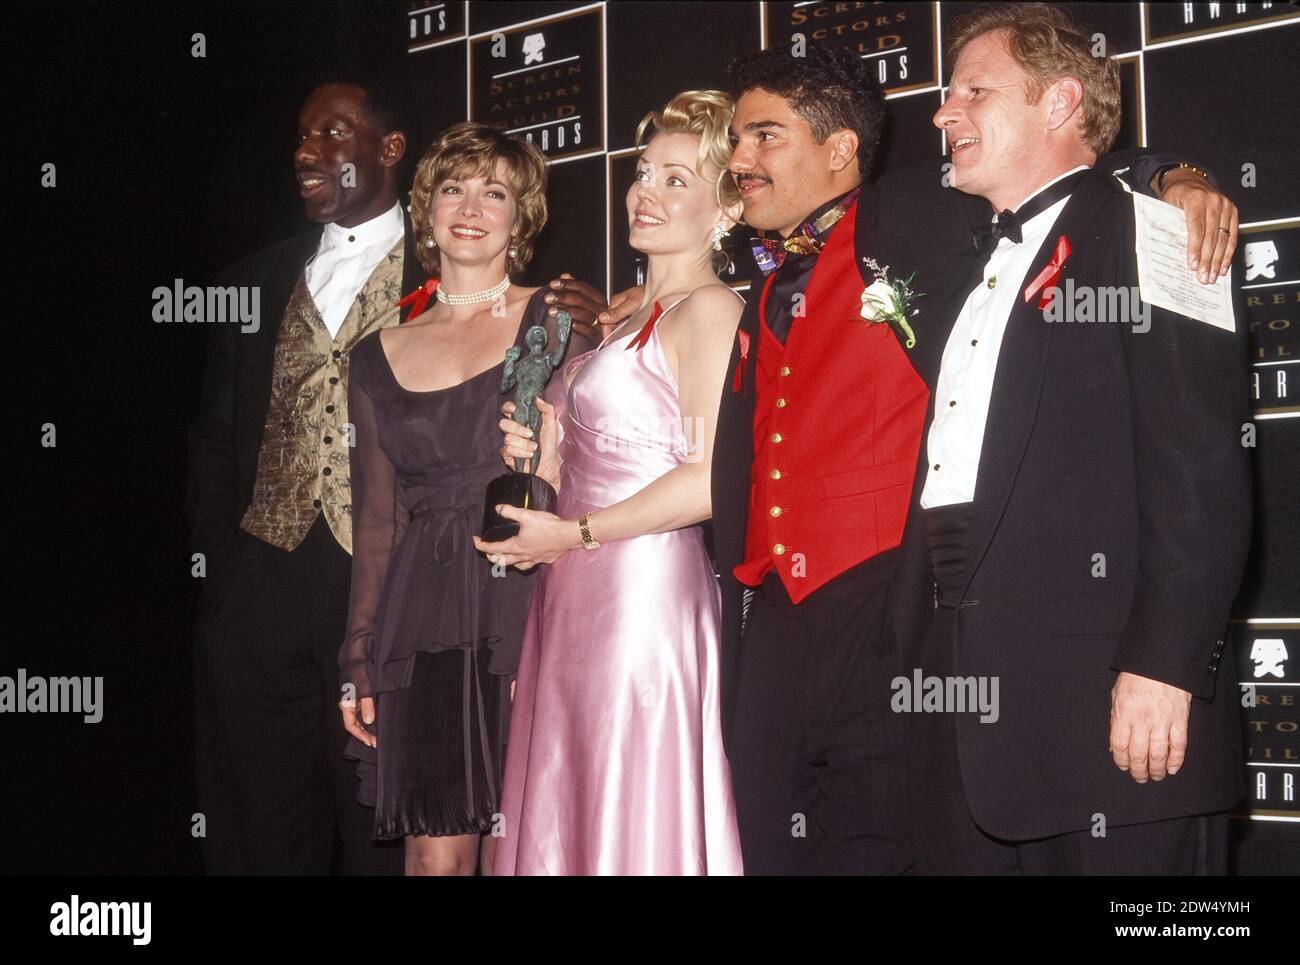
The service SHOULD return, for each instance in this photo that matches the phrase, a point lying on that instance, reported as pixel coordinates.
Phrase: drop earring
(719, 232)
(429, 242)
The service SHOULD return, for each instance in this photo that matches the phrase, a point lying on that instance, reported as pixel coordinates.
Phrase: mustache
(743, 178)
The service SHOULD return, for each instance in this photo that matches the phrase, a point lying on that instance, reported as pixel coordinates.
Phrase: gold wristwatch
(588, 543)
(1181, 165)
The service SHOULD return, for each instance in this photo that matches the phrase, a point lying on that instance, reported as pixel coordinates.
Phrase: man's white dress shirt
(344, 260)
(970, 359)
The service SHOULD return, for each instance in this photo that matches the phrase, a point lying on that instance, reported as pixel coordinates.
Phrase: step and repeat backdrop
(1215, 82)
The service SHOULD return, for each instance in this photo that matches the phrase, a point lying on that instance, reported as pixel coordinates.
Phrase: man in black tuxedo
(269, 499)
(1081, 514)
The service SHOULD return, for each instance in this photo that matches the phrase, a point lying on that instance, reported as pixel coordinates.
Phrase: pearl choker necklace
(487, 295)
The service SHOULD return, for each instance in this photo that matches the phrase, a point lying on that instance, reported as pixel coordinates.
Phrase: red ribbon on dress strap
(739, 377)
(420, 297)
(1047, 277)
(643, 336)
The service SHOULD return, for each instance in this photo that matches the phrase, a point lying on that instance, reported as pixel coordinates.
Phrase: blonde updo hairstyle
(471, 150)
(706, 113)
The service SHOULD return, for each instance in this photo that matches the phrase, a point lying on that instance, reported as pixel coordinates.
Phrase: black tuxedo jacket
(733, 458)
(226, 439)
(1100, 439)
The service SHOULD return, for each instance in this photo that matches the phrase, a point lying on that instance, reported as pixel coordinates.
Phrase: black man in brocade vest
(270, 502)
(818, 435)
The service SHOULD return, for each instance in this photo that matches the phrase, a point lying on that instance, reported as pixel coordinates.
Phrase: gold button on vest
(302, 468)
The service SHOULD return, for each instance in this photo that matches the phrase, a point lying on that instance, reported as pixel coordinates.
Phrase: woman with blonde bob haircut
(433, 633)
(615, 762)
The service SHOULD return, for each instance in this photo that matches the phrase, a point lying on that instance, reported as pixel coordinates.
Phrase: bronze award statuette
(529, 375)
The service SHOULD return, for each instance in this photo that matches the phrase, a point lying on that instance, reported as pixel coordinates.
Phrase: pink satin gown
(615, 762)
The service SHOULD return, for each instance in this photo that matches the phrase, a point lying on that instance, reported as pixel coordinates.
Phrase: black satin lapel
(1012, 408)
(924, 231)
(944, 290)
(862, 231)
(733, 443)
(1018, 381)
(740, 405)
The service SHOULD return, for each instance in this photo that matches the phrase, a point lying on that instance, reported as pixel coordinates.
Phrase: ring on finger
(1226, 232)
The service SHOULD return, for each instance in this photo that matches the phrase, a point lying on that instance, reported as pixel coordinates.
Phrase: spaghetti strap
(674, 305)
(652, 323)
(692, 292)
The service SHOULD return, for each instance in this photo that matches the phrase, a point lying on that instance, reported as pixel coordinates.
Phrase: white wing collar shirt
(970, 359)
(345, 258)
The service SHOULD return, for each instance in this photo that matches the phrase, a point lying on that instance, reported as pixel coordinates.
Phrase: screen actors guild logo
(1269, 655)
(1261, 256)
(534, 49)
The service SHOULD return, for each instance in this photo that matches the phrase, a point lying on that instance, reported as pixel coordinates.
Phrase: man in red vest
(815, 453)
(816, 448)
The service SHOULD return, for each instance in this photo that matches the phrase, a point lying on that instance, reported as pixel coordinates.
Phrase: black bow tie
(985, 237)
(1008, 224)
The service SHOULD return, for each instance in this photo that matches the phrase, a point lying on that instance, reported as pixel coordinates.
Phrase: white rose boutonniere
(875, 299)
(890, 301)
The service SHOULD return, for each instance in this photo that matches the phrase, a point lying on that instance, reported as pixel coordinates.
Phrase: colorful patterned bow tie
(770, 253)
(807, 239)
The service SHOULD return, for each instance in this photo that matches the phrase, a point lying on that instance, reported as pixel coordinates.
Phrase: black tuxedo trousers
(275, 791)
(947, 841)
(277, 794)
(817, 757)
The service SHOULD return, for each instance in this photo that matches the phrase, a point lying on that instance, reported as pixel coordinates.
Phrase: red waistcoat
(837, 428)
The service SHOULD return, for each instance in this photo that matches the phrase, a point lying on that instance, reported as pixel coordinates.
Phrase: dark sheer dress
(433, 634)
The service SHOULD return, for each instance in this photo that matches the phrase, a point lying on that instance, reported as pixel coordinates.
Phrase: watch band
(588, 543)
(1160, 178)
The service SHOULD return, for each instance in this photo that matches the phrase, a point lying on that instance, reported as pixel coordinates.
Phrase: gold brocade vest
(302, 469)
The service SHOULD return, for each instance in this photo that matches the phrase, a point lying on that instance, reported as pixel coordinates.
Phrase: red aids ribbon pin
(739, 375)
(420, 297)
(1047, 277)
(643, 336)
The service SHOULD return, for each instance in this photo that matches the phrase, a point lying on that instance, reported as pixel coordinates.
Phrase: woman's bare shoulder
(715, 305)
